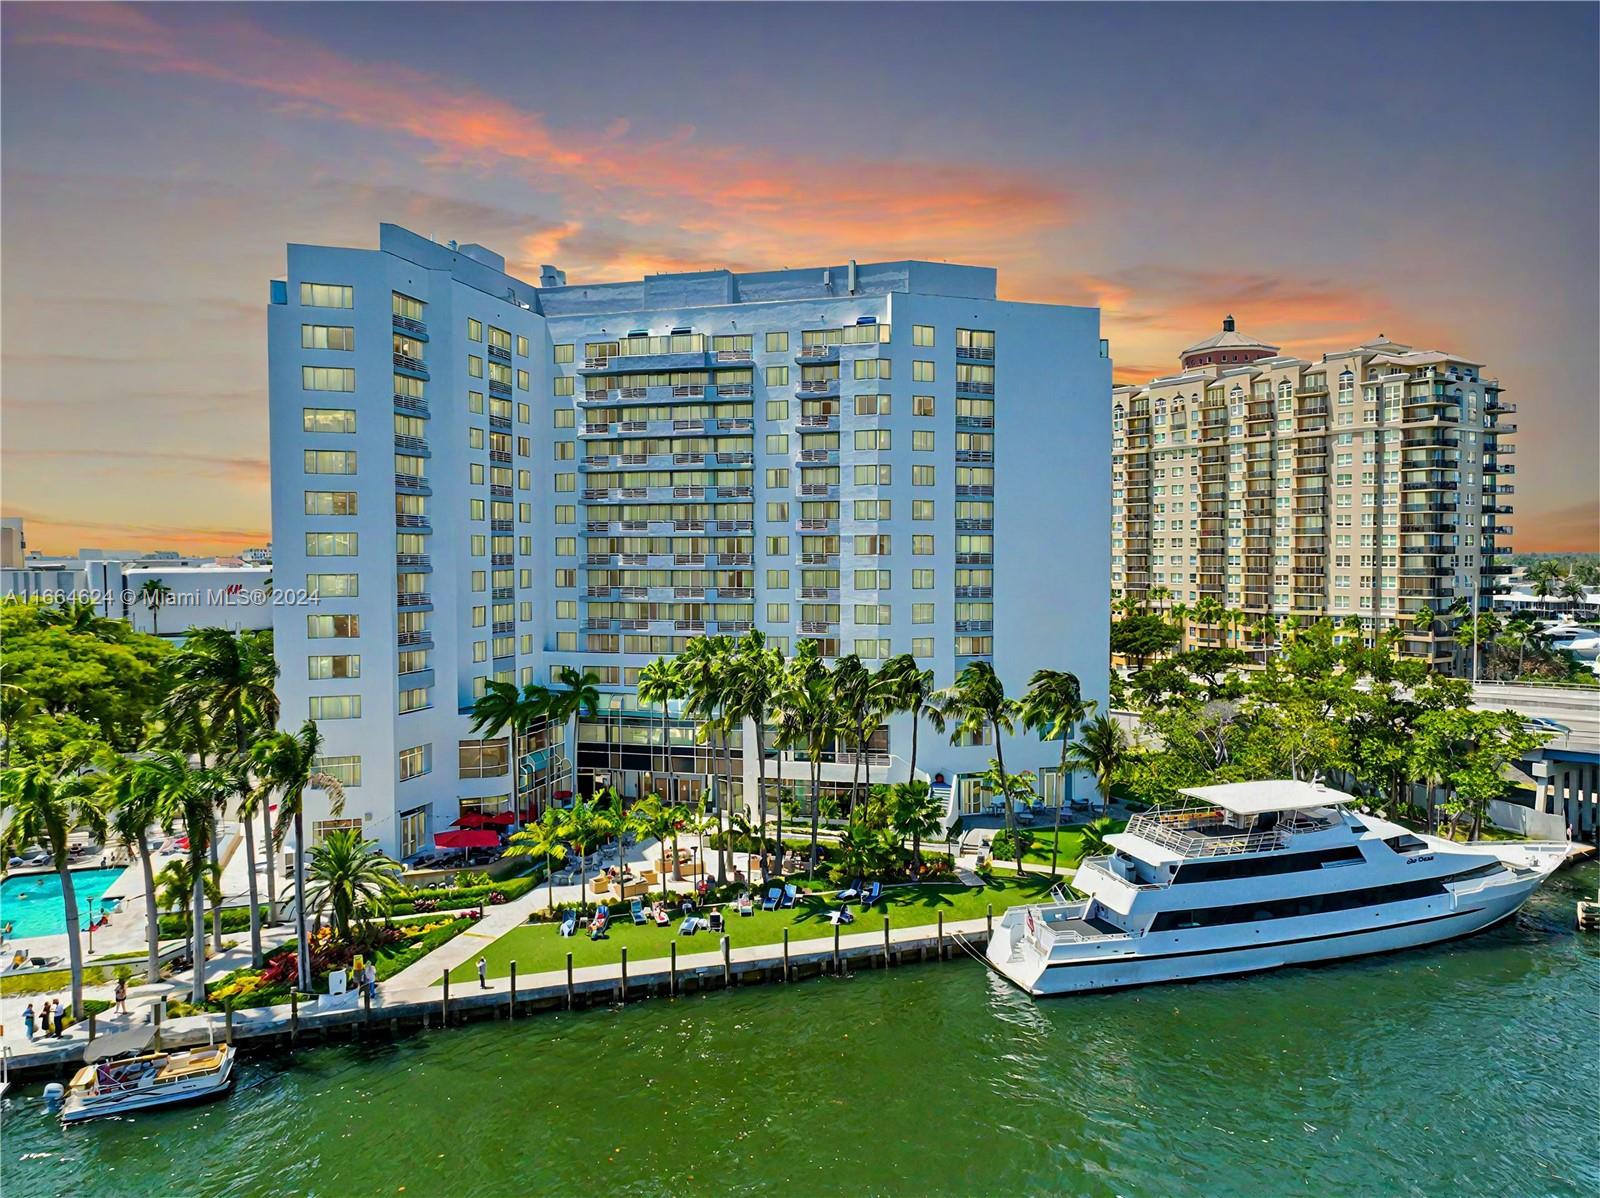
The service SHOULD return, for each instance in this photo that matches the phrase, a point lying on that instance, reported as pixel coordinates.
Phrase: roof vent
(1227, 323)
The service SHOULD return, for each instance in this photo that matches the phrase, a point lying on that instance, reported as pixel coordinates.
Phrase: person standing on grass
(483, 973)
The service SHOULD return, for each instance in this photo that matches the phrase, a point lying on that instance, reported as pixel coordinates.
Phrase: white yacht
(1255, 875)
(114, 1082)
(1581, 640)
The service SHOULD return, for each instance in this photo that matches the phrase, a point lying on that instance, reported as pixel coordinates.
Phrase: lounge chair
(636, 909)
(661, 917)
(871, 894)
(842, 915)
(690, 925)
(789, 895)
(850, 891)
(770, 903)
(600, 922)
(569, 923)
(714, 921)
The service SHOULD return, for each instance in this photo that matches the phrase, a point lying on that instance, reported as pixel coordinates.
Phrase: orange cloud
(52, 536)
(736, 200)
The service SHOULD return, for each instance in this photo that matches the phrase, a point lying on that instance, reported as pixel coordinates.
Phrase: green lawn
(539, 947)
(52, 979)
(1071, 844)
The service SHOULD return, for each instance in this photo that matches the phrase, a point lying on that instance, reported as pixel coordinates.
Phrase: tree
(228, 678)
(175, 886)
(653, 819)
(914, 812)
(907, 687)
(1092, 839)
(1467, 752)
(44, 805)
(575, 693)
(976, 705)
(502, 706)
(17, 706)
(659, 685)
(348, 875)
(707, 684)
(79, 664)
(1013, 788)
(135, 803)
(192, 794)
(154, 594)
(287, 763)
(1140, 638)
(757, 678)
(586, 827)
(809, 719)
(542, 838)
(1054, 707)
(854, 691)
(1102, 749)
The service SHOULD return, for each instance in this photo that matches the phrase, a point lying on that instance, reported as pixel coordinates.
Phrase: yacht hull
(217, 1085)
(1193, 955)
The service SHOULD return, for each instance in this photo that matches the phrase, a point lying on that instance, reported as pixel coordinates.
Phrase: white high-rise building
(476, 477)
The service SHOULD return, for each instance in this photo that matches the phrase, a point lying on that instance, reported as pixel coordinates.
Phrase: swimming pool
(32, 905)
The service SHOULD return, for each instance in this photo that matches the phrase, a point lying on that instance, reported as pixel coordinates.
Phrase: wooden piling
(513, 1014)
(835, 948)
(366, 1005)
(294, 1016)
(91, 1027)
(941, 935)
(623, 990)
(886, 942)
(991, 921)
(572, 994)
(227, 1028)
(672, 976)
(444, 1003)
(727, 964)
(786, 954)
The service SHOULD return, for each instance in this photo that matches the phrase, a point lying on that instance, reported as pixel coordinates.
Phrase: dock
(398, 1011)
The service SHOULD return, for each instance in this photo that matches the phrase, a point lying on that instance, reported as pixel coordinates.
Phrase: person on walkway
(369, 978)
(27, 1020)
(483, 973)
(122, 996)
(44, 1017)
(60, 1017)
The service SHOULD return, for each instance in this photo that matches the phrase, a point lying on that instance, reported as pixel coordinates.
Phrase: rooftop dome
(1227, 347)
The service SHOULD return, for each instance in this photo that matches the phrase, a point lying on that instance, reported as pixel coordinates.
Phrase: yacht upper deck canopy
(1257, 798)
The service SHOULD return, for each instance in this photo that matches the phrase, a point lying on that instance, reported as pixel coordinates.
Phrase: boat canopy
(115, 1044)
(1258, 798)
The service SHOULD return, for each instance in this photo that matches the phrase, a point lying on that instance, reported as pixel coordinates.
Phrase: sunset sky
(1326, 174)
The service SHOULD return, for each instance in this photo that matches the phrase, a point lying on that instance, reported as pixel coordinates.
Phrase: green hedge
(460, 898)
(234, 919)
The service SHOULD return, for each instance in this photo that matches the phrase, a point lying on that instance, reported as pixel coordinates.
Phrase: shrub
(234, 919)
(1008, 845)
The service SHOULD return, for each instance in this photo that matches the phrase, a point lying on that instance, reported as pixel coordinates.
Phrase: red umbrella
(466, 840)
(474, 819)
(500, 819)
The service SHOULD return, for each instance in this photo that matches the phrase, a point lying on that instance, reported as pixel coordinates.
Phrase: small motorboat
(136, 1081)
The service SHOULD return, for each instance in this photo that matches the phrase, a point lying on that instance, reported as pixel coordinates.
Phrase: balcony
(413, 561)
(413, 599)
(415, 367)
(411, 520)
(973, 387)
(410, 405)
(420, 638)
(416, 484)
(974, 559)
(499, 390)
(499, 355)
(975, 353)
(823, 422)
(405, 323)
(811, 355)
(812, 388)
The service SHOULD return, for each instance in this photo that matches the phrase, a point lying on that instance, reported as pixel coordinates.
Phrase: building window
(922, 476)
(335, 707)
(415, 761)
(922, 509)
(563, 353)
(328, 627)
(922, 440)
(777, 613)
(922, 405)
(414, 699)
(922, 646)
(327, 295)
(922, 545)
(777, 442)
(484, 758)
(327, 378)
(331, 544)
(334, 666)
(879, 439)
(921, 371)
(922, 334)
(346, 771)
(778, 343)
(330, 461)
(333, 586)
(327, 336)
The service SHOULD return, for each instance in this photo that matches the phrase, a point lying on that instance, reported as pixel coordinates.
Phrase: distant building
(1373, 483)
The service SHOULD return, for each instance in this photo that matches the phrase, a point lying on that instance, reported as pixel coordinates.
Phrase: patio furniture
(788, 896)
(842, 915)
(569, 923)
(714, 921)
(747, 905)
(636, 909)
(871, 894)
(850, 891)
(770, 903)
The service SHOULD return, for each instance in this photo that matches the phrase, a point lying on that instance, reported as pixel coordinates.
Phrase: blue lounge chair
(569, 923)
(600, 924)
(770, 903)
(789, 895)
(842, 915)
(637, 910)
(850, 891)
(871, 894)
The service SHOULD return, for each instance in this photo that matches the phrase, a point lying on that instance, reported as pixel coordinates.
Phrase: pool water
(32, 904)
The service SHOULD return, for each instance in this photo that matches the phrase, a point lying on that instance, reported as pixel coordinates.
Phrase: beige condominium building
(1372, 483)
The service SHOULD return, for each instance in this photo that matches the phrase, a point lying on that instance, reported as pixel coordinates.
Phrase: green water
(1467, 1069)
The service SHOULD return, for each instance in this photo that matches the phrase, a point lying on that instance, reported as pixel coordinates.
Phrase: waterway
(1471, 1068)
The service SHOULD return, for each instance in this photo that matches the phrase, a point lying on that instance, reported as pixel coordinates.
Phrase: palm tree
(706, 680)
(44, 804)
(230, 678)
(174, 888)
(348, 875)
(192, 794)
(1092, 839)
(586, 827)
(17, 706)
(653, 819)
(809, 718)
(576, 694)
(135, 804)
(1012, 788)
(976, 704)
(502, 706)
(287, 762)
(1208, 611)
(757, 677)
(907, 687)
(1054, 707)
(1422, 620)
(542, 838)
(1102, 749)
(659, 685)
(914, 812)
(154, 594)
(857, 691)
(79, 616)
